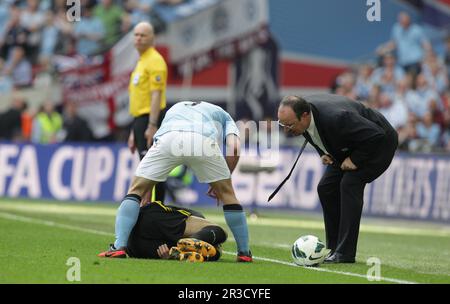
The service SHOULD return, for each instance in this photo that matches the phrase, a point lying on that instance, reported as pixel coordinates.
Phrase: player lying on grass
(170, 232)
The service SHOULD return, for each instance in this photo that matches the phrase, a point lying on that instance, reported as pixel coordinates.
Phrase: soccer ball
(308, 250)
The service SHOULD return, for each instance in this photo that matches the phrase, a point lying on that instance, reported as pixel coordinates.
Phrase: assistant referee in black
(147, 90)
(357, 144)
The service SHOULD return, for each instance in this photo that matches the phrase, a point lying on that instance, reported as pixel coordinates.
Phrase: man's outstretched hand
(163, 251)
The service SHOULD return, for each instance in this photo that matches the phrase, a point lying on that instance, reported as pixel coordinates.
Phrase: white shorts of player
(202, 154)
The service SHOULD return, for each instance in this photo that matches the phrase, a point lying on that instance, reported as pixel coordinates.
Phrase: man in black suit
(357, 144)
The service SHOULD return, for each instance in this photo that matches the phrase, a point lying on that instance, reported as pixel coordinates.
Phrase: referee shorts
(140, 125)
(200, 153)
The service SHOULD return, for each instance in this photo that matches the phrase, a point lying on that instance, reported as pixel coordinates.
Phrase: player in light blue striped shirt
(200, 117)
(190, 134)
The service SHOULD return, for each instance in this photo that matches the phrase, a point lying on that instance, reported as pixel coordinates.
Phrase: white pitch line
(327, 270)
(374, 227)
(26, 219)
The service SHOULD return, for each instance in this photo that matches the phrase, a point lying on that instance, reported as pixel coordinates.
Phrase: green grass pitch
(37, 238)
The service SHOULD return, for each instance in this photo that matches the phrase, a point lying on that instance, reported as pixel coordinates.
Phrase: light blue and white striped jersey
(198, 117)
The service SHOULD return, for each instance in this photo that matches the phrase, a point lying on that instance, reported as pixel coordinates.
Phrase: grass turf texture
(38, 237)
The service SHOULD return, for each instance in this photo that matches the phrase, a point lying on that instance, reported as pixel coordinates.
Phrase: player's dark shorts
(157, 224)
(140, 124)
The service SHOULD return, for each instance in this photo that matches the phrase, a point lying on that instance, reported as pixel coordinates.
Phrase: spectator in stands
(75, 128)
(17, 68)
(446, 109)
(89, 32)
(429, 132)
(58, 5)
(11, 122)
(111, 16)
(387, 82)
(402, 88)
(33, 20)
(419, 100)
(410, 43)
(4, 18)
(6, 84)
(446, 139)
(346, 85)
(27, 123)
(91, 3)
(446, 133)
(45, 5)
(435, 73)
(374, 96)
(447, 56)
(49, 41)
(65, 42)
(171, 2)
(407, 135)
(389, 67)
(395, 112)
(46, 125)
(363, 82)
(15, 34)
(399, 98)
(437, 114)
(139, 10)
(126, 24)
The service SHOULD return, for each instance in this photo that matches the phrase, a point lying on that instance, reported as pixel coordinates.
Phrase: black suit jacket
(349, 128)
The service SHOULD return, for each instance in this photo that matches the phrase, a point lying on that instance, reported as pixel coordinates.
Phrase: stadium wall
(414, 187)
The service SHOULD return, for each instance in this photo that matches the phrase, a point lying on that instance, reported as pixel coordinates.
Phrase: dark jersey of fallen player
(157, 224)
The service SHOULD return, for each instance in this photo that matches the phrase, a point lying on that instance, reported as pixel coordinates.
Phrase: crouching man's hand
(348, 165)
(326, 159)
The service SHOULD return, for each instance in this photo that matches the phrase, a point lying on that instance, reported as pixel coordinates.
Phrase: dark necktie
(309, 138)
(289, 175)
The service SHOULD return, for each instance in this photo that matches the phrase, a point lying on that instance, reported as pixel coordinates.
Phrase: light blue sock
(237, 222)
(126, 218)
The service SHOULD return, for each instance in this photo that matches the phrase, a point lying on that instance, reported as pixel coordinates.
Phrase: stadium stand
(246, 70)
(38, 43)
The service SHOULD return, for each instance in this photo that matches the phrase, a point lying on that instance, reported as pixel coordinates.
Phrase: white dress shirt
(314, 133)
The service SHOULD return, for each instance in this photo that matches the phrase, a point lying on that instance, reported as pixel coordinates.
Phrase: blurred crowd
(408, 83)
(33, 32)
